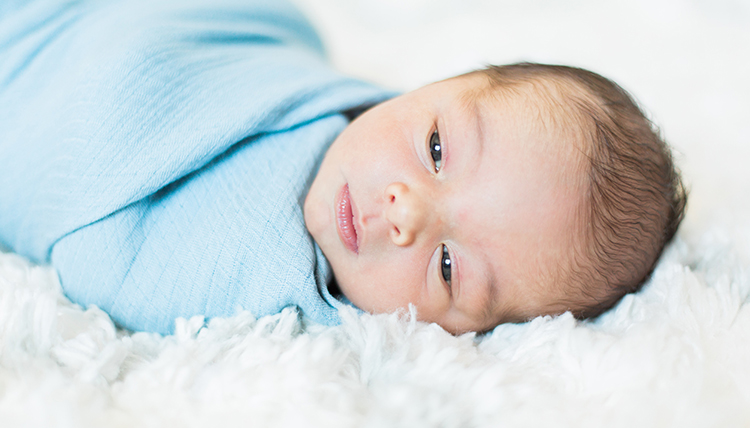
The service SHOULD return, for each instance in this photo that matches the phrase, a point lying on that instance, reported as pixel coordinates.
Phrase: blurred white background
(686, 61)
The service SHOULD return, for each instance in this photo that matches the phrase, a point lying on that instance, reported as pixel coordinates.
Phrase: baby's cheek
(360, 297)
(368, 293)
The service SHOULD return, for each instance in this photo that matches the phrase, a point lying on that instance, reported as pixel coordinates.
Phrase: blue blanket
(158, 152)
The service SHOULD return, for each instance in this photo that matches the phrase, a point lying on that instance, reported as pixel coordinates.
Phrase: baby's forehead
(552, 99)
(548, 117)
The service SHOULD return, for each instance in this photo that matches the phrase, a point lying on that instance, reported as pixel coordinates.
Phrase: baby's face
(463, 206)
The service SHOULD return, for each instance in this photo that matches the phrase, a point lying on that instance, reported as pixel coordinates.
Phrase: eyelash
(436, 151)
(445, 265)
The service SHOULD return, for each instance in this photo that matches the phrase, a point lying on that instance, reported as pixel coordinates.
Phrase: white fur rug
(675, 354)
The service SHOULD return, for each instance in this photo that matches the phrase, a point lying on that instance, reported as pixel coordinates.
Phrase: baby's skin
(461, 203)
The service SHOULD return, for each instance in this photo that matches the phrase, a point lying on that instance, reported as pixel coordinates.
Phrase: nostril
(393, 198)
(398, 232)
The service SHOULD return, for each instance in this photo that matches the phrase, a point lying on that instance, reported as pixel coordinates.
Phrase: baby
(169, 158)
(496, 196)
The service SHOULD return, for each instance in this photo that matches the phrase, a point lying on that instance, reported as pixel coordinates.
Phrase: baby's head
(496, 196)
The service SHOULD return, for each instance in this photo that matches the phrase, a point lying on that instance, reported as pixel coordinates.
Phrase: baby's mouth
(345, 220)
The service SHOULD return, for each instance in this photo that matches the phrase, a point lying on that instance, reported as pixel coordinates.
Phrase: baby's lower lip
(345, 220)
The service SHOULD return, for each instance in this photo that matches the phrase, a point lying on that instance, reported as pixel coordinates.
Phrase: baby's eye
(445, 266)
(436, 150)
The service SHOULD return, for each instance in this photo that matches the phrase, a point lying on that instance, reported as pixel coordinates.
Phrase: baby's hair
(634, 199)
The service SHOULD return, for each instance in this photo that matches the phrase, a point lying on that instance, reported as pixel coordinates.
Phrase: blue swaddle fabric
(158, 153)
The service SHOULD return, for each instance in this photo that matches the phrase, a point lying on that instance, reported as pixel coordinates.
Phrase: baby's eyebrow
(485, 290)
(488, 300)
(474, 108)
(479, 118)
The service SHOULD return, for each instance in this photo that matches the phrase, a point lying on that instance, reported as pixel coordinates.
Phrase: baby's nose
(407, 211)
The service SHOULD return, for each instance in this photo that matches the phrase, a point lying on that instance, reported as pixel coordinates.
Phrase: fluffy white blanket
(674, 354)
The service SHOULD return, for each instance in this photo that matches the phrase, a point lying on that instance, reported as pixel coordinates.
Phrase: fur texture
(675, 354)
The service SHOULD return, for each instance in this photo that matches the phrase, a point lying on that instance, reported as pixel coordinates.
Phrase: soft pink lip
(345, 220)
